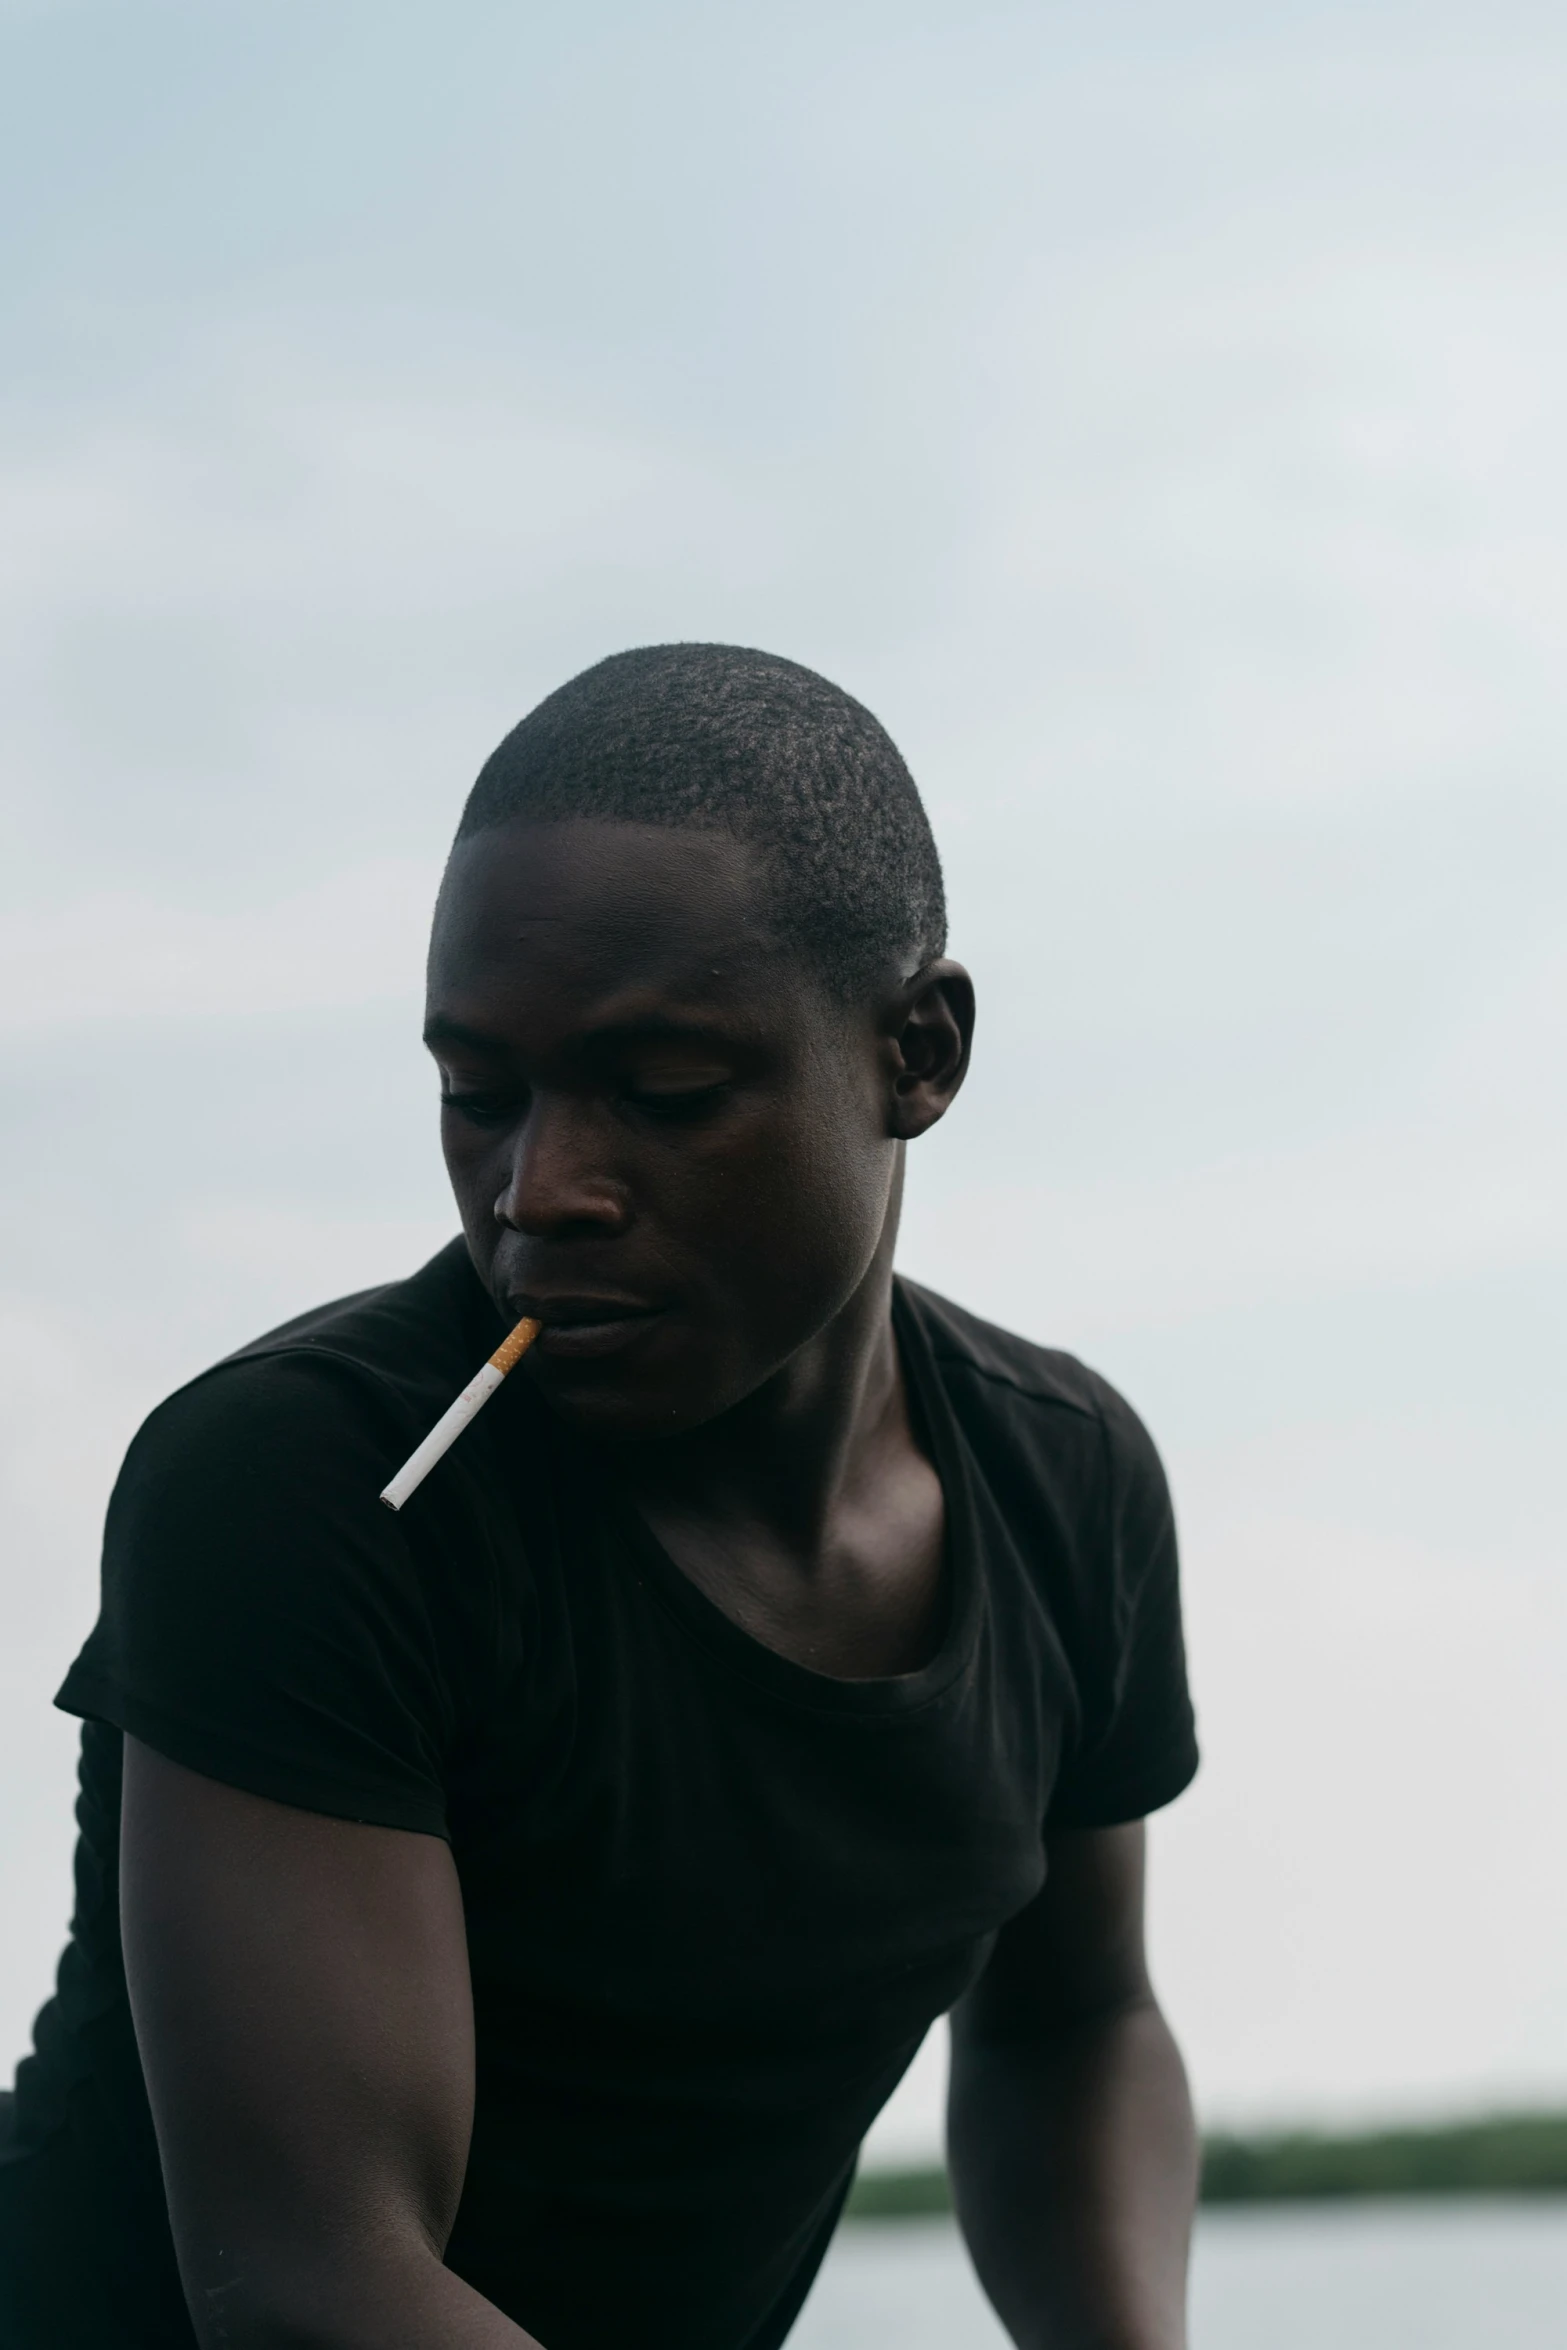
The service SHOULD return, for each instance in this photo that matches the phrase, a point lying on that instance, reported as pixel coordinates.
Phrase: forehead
(588, 923)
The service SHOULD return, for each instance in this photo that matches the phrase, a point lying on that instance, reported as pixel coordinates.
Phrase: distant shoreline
(1503, 2154)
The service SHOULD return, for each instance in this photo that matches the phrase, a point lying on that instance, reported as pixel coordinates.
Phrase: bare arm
(301, 1997)
(1073, 2150)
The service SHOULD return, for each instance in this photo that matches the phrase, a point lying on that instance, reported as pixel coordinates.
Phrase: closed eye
(485, 1109)
(687, 1101)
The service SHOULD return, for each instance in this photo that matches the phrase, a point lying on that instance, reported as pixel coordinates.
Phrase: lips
(581, 1326)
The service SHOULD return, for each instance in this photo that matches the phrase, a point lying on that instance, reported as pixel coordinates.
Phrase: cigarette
(456, 1416)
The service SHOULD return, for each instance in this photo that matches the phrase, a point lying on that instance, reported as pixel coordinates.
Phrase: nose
(557, 1182)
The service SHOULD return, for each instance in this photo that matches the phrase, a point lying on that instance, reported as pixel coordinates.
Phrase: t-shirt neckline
(782, 1676)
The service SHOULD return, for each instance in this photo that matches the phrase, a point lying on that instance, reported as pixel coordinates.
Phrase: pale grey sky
(1155, 414)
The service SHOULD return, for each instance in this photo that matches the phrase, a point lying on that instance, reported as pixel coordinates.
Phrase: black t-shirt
(713, 1898)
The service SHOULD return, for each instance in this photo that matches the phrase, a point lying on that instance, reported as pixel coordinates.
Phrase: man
(525, 1903)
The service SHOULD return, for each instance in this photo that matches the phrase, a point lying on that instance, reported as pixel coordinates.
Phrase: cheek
(475, 1174)
(794, 1217)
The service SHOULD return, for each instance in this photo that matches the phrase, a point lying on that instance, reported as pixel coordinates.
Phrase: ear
(930, 1027)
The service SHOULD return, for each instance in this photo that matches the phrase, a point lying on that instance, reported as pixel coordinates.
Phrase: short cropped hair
(723, 738)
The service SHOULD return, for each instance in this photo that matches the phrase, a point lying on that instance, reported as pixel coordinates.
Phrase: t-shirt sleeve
(265, 1621)
(1137, 1747)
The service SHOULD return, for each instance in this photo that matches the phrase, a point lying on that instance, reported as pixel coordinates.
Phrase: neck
(784, 1457)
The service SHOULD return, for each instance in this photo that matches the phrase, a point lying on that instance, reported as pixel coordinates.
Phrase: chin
(622, 1410)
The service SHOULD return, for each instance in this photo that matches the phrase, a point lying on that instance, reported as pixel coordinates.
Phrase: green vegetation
(898, 2194)
(1509, 2154)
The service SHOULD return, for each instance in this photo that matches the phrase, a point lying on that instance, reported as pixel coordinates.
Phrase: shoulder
(370, 1369)
(264, 1620)
(412, 1337)
(1073, 1493)
(1003, 1377)
(281, 1448)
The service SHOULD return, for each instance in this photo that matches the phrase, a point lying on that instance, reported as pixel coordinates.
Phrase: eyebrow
(441, 1030)
(655, 1029)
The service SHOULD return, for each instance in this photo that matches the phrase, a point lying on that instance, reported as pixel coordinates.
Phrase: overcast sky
(1155, 414)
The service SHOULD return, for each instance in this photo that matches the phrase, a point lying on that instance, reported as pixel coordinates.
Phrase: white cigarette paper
(455, 1418)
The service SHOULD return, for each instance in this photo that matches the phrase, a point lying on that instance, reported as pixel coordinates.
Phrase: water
(1456, 2274)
